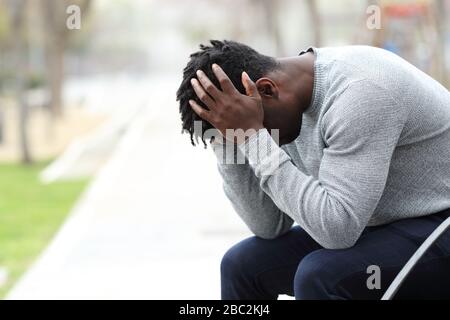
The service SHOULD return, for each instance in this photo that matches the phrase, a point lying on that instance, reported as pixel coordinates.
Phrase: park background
(101, 197)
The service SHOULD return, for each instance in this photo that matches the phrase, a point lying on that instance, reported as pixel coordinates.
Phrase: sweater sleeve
(242, 188)
(361, 130)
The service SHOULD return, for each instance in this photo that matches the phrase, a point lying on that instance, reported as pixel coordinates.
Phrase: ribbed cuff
(263, 154)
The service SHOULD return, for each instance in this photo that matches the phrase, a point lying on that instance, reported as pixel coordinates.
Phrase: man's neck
(300, 71)
(298, 79)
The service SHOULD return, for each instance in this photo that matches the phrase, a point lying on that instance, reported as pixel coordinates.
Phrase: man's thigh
(345, 273)
(270, 264)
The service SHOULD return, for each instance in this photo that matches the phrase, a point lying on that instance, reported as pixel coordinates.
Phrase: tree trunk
(57, 33)
(18, 9)
(23, 122)
(53, 13)
(55, 67)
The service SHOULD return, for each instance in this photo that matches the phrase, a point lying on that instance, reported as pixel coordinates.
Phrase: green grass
(30, 214)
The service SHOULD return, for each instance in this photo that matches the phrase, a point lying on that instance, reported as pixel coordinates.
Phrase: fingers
(202, 95)
(249, 85)
(209, 87)
(225, 82)
(201, 112)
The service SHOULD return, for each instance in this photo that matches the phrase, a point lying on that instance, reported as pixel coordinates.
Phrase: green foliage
(30, 214)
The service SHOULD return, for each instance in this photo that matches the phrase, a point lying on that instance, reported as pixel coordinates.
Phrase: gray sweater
(374, 148)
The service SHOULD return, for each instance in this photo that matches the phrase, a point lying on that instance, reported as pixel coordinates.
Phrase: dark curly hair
(234, 58)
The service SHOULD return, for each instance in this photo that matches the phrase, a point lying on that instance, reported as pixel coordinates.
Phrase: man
(363, 168)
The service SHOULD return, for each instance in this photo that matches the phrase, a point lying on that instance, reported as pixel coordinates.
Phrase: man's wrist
(246, 134)
(263, 152)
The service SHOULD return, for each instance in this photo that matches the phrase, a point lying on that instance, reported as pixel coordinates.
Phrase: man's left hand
(228, 108)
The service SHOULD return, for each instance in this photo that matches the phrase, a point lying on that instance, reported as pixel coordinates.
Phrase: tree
(57, 34)
(17, 9)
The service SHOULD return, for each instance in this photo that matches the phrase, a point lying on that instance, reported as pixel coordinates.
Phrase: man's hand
(228, 109)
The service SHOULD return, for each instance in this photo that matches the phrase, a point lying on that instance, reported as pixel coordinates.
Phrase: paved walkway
(152, 225)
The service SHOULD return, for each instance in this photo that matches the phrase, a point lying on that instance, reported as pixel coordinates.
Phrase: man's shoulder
(363, 104)
(348, 53)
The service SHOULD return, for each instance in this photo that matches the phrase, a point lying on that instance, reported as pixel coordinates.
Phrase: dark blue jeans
(296, 265)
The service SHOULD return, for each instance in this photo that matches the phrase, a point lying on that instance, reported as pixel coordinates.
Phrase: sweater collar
(319, 77)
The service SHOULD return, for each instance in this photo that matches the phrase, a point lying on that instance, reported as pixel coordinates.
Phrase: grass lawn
(30, 214)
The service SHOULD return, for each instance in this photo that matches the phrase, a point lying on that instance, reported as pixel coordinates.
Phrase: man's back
(418, 181)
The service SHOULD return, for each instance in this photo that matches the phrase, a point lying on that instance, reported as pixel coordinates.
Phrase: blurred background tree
(56, 38)
(19, 34)
(39, 55)
(33, 43)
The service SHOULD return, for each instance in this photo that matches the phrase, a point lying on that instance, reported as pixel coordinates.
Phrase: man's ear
(267, 88)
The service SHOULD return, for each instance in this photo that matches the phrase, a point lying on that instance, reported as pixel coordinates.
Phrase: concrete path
(153, 224)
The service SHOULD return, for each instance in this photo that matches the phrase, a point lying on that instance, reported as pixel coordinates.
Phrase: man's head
(234, 58)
